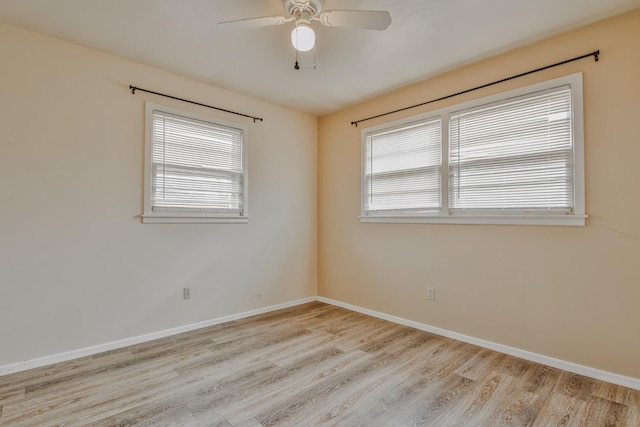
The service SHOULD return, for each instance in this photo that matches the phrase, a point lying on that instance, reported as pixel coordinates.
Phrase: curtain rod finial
(133, 89)
(596, 55)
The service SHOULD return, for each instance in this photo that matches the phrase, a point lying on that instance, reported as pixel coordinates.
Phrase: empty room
(320, 213)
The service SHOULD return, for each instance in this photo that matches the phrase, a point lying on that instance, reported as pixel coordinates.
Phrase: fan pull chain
(296, 65)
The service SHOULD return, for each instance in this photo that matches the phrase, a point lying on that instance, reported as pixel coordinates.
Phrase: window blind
(513, 155)
(402, 168)
(197, 165)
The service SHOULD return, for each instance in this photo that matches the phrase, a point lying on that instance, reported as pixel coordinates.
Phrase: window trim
(577, 218)
(180, 216)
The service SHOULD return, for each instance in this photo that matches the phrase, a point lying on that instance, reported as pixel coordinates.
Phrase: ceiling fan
(304, 12)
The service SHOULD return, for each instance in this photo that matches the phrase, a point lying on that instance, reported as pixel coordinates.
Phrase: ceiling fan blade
(246, 24)
(366, 19)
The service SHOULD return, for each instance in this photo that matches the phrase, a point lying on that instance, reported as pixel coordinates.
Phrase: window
(402, 168)
(195, 168)
(512, 158)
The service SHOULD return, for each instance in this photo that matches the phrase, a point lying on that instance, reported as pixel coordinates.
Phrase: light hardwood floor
(309, 365)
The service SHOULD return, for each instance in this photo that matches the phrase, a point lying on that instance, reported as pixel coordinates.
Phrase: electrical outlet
(186, 293)
(431, 293)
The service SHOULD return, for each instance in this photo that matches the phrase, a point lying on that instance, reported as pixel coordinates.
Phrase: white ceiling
(426, 37)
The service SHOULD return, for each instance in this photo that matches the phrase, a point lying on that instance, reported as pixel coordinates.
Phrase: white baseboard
(88, 351)
(575, 368)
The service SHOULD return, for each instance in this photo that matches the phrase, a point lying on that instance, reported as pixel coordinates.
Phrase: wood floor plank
(429, 405)
(611, 392)
(296, 349)
(475, 408)
(269, 394)
(478, 366)
(603, 412)
(358, 401)
(128, 377)
(575, 385)
(283, 411)
(246, 384)
(64, 370)
(522, 412)
(93, 398)
(13, 395)
(393, 336)
(154, 414)
(633, 407)
(561, 410)
(226, 358)
(309, 365)
(408, 403)
(358, 395)
(540, 379)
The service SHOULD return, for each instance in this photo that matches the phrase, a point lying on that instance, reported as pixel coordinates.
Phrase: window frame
(182, 215)
(444, 216)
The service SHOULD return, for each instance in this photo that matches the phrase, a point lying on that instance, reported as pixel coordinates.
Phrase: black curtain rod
(595, 54)
(134, 89)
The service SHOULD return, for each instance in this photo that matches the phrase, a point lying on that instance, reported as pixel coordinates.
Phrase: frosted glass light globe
(303, 38)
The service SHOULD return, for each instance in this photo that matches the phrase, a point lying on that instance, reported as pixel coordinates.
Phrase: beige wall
(569, 293)
(77, 268)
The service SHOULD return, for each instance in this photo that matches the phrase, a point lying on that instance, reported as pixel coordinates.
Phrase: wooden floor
(313, 364)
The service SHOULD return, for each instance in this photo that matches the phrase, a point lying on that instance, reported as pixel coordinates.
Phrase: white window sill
(192, 219)
(559, 220)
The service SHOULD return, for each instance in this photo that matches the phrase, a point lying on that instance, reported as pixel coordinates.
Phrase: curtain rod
(134, 89)
(595, 54)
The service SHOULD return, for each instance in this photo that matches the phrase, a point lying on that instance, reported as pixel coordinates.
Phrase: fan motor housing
(312, 7)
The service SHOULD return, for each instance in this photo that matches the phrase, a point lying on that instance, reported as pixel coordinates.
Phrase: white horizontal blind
(403, 169)
(515, 155)
(197, 165)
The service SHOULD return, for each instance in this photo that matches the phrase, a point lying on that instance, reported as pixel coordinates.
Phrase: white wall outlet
(431, 293)
(186, 293)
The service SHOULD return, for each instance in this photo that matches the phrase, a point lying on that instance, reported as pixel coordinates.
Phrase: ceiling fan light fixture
(303, 37)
